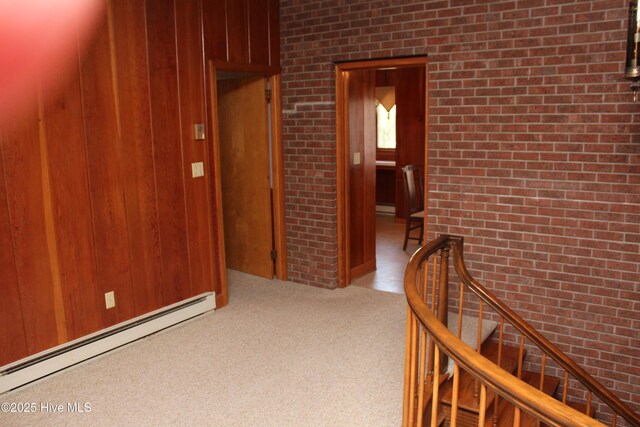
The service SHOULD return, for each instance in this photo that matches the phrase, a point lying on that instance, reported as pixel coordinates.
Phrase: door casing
(277, 153)
(343, 152)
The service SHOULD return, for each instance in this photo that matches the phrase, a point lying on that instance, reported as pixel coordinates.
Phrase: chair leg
(421, 232)
(407, 229)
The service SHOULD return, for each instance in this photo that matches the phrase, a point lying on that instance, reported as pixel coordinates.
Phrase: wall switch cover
(356, 158)
(110, 299)
(197, 169)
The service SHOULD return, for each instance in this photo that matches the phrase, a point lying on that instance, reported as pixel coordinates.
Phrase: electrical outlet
(110, 299)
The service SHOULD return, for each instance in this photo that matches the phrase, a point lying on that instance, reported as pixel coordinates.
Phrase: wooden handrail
(524, 396)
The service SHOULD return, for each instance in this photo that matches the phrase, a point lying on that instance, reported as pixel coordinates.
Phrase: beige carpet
(280, 354)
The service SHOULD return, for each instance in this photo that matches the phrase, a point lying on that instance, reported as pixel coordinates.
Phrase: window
(386, 122)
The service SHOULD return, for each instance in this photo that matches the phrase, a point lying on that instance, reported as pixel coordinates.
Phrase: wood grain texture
(192, 111)
(12, 336)
(167, 148)
(217, 222)
(244, 161)
(237, 32)
(25, 200)
(410, 125)
(105, 164)
(362, 128)
(274, 33)
(258, 28)
(130, 47)
(214, 21)
(63, 129)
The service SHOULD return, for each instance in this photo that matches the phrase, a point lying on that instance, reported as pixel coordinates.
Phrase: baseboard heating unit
(40, 365)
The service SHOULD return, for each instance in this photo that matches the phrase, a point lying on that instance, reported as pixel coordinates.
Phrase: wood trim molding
(342, 176)
(279, 218)
(342, 148)
(222, 298)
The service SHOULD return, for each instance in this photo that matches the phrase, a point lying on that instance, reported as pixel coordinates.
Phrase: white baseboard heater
(40, 365)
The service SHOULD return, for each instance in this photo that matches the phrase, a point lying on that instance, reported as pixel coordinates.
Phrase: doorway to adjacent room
(361, 161)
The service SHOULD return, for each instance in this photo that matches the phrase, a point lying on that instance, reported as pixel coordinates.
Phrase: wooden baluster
(433, 310)
(408, 380)
(565, 387)
(423, 348)
(460, 310)
(496, 399)
(543, 367)
(589, 395)
(414, 363)
(476, 384)
(435, 398)
(613, 419)
(521, 357)
(443, 294)
(482, 406)
(516, 414)
(422, 378)
(454, 397)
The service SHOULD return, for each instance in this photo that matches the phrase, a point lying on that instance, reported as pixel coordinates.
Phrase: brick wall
(534, 154)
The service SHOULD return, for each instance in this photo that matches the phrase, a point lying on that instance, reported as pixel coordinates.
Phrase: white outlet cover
(356, 158)
(110, 299)
(197, 169)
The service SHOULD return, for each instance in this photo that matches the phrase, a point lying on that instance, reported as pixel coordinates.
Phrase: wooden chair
(413, 205)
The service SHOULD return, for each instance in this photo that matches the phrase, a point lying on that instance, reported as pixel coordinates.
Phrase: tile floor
(390, 258)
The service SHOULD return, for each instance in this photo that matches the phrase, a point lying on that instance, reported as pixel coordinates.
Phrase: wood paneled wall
(96, 193)
(242, 34)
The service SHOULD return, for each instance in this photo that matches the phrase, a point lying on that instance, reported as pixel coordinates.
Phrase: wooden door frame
(277, 153)
(342, 148)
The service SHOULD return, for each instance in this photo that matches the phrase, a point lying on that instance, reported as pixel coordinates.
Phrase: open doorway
(248, 163)
(361, 161)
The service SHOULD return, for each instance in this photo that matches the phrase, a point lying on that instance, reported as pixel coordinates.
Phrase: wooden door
(245, 176)
(362, 170)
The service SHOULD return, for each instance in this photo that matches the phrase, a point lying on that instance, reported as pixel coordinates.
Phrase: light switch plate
(198, 131)
(110, 299)
(197, 169)
(356, 158)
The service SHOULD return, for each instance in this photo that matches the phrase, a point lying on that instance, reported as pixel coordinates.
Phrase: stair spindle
(521, 357)
(614, 419)
(443, 293)
(454, 398)
(496, 400)
(433, 310)
(476, 384)
(565, 387)
(483, 406)
(435, 398)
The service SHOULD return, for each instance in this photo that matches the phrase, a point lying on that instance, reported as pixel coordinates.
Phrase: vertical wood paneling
(166, 125)
(25, 199)
(129, 27)
(274, 33)
(97, 195)
(192, 109)
(259, 21)
(12, 337)
(71, 209)
(104, 154)
(237, 32)
(214, 18)
(410, 118)
(362, 176)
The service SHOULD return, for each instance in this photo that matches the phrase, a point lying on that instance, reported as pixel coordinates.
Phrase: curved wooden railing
(430, 344)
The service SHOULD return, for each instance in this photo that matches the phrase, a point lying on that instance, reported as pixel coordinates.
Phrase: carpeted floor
(280, 354)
